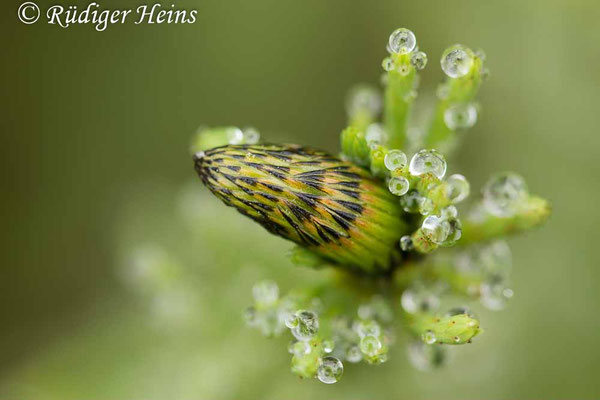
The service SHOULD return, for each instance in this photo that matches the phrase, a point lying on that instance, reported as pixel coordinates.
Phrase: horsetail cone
(332, 207)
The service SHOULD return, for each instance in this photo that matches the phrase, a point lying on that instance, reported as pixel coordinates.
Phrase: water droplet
(148, 268)
(387, 64)
(291, 320)
(330, 370)
(419, 60)
(402, 41)
(378, 308)
(428, 337)
(449, 212)
(504, 193)
(251, 136)
(268, 322)
(299, 348)
(406, 243)
(436, 229)
(496, 260)
(307, 327)
(442, 92)
(367, 328)
(428, 161)
(353, 354)
(375, 134)
(378, 359)
(419, 299)
(459, 311)
(250, 316)
(199, 155)
(426, 206)
(425, 357)
(234, 135)
(365, 311)
(494, 295)
(265, 292)
(454, 231)
(485, 74)
(395, 159)
(460, 116)
(458, 188)
(410, 201)
(456, 61)
(370, 345)
(410, 96)
(480, 54)
(398, 185)
(403, 70)
(363, 99)
(328, 346)
(316, 304)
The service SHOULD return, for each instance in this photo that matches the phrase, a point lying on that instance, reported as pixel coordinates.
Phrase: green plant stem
(481, 226)
(399, 97)
(455, 91)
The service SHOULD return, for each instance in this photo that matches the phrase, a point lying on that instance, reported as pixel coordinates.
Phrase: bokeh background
(96, 172)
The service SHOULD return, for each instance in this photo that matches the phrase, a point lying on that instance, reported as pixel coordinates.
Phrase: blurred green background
(95, 164)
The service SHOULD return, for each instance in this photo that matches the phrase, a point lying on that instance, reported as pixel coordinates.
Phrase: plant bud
(330, 206)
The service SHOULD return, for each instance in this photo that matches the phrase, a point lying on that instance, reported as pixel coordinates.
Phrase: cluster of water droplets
(396, 160)
(423, 162)
(207, 138)
(269, 313)
(428, 161)
(364, 338)
(310, 352)
(488, 268)
(304, 324)
(457, 61)
(403, 42)
(444, 229)
(242, 136)
(315, 354)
